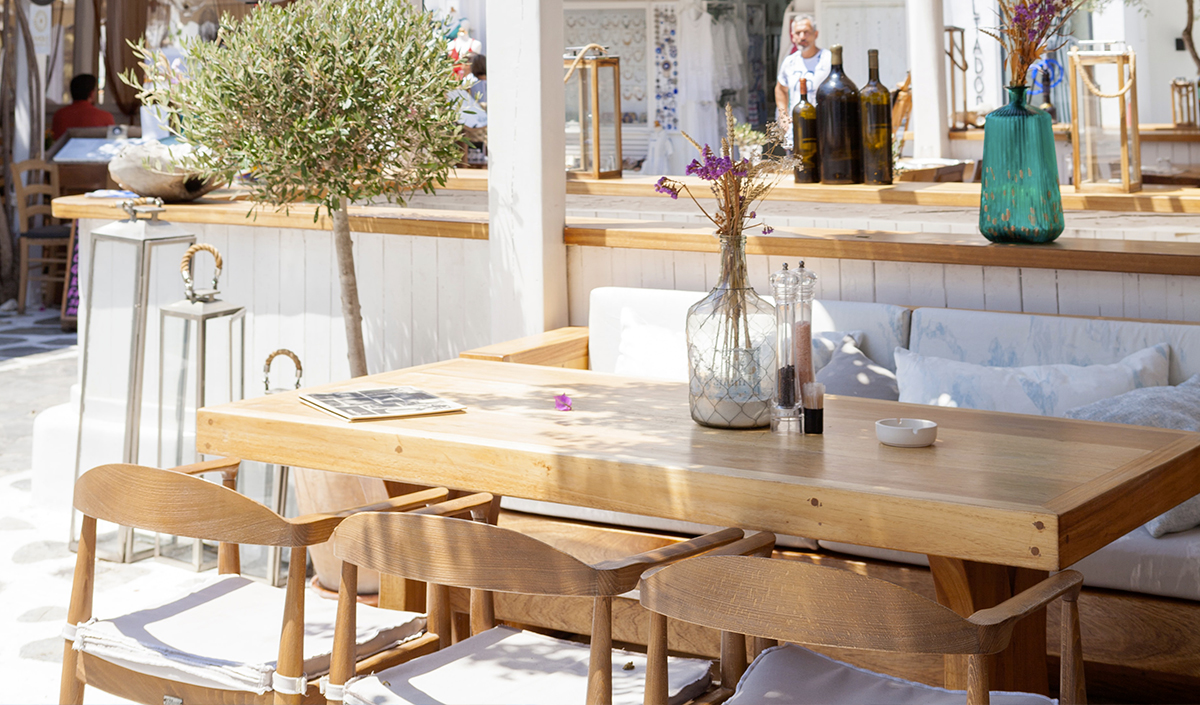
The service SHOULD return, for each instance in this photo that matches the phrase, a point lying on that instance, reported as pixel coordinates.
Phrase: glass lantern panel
(608, 118)
(266, 484)
(576, 100)
(1100, 127)
(177, 427)
(108, 354)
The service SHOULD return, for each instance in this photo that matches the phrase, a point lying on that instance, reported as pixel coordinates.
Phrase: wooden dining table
(996, 503)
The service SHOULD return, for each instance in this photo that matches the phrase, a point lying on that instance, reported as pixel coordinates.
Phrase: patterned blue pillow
(1161, 407)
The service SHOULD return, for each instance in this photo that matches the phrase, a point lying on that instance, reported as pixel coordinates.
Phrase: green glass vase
(1021, 201)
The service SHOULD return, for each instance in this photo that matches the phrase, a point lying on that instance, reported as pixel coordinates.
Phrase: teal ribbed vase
(1021, 201)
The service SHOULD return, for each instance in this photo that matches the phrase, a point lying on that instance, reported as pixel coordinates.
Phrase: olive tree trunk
(351, 311)
(1188, 41)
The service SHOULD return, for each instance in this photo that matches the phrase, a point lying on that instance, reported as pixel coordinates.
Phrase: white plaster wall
(1158, 60)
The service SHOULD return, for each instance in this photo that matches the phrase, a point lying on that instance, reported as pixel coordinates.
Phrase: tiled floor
(31, 333)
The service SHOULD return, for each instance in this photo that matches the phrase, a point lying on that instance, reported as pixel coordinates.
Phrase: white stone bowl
(906, 433)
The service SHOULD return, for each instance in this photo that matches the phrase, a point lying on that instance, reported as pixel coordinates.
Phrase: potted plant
(330, 102)
(1020, 200)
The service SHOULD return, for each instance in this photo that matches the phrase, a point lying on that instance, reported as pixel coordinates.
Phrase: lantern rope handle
(185, 266)
(581, 57)
(1095, 90)
(271, 358)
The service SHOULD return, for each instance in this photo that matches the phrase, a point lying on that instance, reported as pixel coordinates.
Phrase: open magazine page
(381, 403)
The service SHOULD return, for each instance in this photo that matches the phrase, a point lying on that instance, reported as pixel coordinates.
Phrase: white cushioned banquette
(1137, 562)
(640, 332)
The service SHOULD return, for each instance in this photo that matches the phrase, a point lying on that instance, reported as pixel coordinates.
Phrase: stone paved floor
(35, 565)
(31, 333)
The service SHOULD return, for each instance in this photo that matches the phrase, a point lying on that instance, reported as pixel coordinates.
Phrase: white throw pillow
(1044, 390)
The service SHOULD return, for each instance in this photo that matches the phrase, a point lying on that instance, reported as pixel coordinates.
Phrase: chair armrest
(564, 347)
(469, 504)
(220, 464)
(318, 527)
(1017, 607)
(761, 544)
(629, 570)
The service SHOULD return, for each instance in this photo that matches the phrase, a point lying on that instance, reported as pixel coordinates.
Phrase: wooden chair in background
(36, 184)
(222, 642)
(801, 603)
(506, 664)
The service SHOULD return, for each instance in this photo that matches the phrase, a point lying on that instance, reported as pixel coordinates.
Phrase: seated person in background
(83, 111)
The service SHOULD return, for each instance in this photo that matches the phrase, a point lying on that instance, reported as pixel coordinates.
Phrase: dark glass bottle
(804, 138)
(1046, 105)
(839, 125)
(877, 126)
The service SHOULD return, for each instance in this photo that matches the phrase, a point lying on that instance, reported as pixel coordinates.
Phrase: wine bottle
(804, 138)
(839, 125)
(877, 126)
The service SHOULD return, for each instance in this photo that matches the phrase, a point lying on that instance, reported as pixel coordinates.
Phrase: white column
(929, 120)
(526, 172)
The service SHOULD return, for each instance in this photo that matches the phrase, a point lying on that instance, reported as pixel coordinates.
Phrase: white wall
(1158, 61)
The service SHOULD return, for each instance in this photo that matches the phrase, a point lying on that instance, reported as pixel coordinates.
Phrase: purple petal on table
(562, 402)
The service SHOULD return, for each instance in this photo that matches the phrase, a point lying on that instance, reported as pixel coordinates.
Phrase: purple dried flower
(753, 214)
(664, 185)
(767, 230)
(562, 402)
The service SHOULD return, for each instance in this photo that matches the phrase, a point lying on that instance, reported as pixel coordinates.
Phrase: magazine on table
(380, 403)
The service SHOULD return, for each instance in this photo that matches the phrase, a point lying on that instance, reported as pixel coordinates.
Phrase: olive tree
(323, 101)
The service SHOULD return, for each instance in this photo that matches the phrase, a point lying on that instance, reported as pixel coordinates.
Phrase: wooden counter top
(1098, 255)
(1144, 257)
(227, 207)
(1151, 199)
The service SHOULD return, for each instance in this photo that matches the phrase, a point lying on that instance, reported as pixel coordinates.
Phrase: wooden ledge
(1143, 257)
(1151, 199)
(1148, 132)
(227, 207)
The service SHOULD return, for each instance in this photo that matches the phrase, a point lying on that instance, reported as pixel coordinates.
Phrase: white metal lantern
(593, 83)
(1105, 145)
(201, 351)
(1183, 103)
(268, 483)
(112, 370)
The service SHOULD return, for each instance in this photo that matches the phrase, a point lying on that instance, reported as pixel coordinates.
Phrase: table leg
(969, 586)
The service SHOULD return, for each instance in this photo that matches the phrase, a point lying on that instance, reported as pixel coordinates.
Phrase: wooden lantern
(593, 82)
(1183, 103)
(1105, 146)
(956, 52)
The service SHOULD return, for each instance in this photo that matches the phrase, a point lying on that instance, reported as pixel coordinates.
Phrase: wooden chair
(36, 183)
(801, 603)
(502, 664)
(220, 643)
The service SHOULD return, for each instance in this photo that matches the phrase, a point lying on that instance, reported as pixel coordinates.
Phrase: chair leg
(656, 661)
(1071, 690)
(23, 276)
(291, 637)
(979, 679)
(733, 659)
(341, 666)
(599, 690)
(80, 609)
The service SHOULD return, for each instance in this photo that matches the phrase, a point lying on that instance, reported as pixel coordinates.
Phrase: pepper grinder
(785, 412)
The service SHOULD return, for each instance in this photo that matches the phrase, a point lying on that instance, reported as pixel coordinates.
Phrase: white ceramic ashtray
(906, 433)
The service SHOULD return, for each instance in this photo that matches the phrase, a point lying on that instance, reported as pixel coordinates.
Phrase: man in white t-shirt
(808, 61)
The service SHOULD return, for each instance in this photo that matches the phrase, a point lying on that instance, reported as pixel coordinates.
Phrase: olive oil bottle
(877, 126)
(804, 138)
(839, 124)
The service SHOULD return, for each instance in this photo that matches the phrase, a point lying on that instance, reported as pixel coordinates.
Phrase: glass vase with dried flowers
(731, 332)
(1020, 200)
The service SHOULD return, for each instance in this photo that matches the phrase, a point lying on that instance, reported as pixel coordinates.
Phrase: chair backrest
(174, 503)
(38, 180)
(466, 554)
(809, 604)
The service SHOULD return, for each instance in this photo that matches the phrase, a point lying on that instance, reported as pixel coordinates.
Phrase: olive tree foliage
(323, 101)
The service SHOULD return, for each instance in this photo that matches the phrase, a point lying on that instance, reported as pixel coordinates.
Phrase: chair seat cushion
(505, 665)
(1138, 562)
(226, 635)
(795, 675)
(48, 232)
